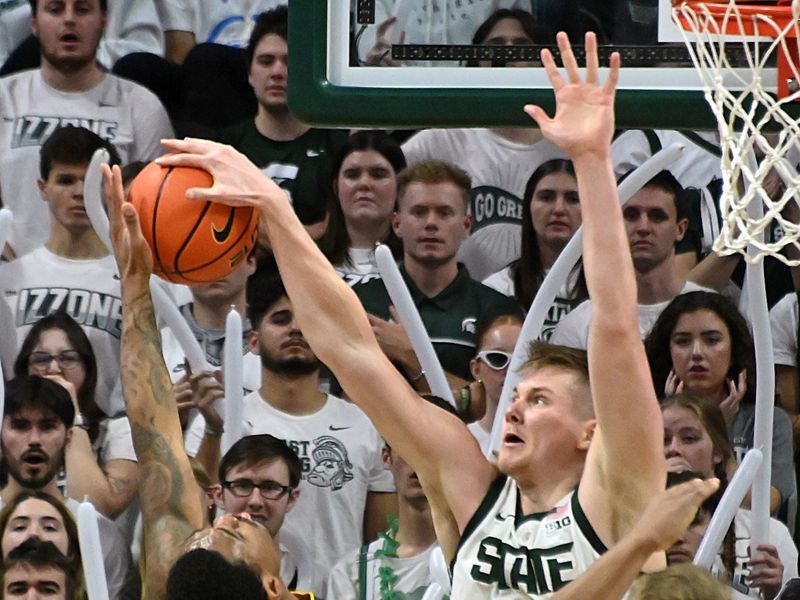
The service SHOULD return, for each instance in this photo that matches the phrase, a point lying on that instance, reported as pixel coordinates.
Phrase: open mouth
(34, 459)
(511, 439)
(69, 38)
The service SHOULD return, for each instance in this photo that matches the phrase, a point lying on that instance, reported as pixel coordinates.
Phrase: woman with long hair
(100, 462)
(695, 440)
(550, 217)
(361, 205)
(702, 344)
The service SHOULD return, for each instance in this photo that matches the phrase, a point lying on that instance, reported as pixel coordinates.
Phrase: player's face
(687, 445)
(508, 32)
(651, 222)
(555, 210)
(55, 343)
(226, 291)
(69, 32)
(63, 192)
(26, 582)
(269, 72)
(502, 338)
(684, 549)
(432, 221)
(33, 444)
(280, 343)
(541, 428)
(35, 518)
(700, 347)
(239, 539)
(269, 513)
(367, 188)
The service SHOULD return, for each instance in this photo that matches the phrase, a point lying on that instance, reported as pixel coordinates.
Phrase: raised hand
(673, 385)
(134, 260)
(237, 181)
(736, 391)
(766, 571)
(584, 119)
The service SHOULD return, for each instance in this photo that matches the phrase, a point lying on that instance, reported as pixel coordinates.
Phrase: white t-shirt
(361, 268)
(41, 283)
(116, 555)
(357, 576)
(499, 169)
(783, 322)
(573, 330)
(779, 537)
(503, 282)
(340, 451)
(696, 166)
(120, 111)
(480, 434)
(229, 22)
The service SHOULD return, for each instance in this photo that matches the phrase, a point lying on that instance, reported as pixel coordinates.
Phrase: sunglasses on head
(495, 359)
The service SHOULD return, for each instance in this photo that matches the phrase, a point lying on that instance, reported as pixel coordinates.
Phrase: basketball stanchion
(749, 154)
(553, 282)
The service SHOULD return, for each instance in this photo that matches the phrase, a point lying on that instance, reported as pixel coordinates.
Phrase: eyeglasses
(68, 359)
(495, 359)
(269, 490)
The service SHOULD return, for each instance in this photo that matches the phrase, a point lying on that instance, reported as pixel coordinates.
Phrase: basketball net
(757, 135)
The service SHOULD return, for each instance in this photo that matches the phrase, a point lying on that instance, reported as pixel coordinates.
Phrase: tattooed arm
(168, 495)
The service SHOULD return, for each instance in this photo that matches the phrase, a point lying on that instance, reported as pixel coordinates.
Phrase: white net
(760, 140)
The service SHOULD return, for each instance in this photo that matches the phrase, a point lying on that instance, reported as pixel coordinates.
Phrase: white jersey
(499, 169)
(119, 111)
(41, 283)
(573, 330)
(340, 451)
(358, 575)
(504, 554)
(783, 323)
(228, 23)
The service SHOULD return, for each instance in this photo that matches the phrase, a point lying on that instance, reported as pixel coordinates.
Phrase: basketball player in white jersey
(577, 466)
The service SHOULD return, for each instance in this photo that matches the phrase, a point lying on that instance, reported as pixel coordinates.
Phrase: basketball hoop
(744, 117)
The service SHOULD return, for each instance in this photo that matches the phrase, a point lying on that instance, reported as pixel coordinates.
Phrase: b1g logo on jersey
(531, 570)
(33, 130)
(88, 308)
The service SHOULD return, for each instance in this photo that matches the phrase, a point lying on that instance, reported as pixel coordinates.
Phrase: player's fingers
(549, 64)
(611, 83)
(592, 62)
(568, 58)
(537, 114)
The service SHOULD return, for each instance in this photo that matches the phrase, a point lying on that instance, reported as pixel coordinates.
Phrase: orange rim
(781, 15)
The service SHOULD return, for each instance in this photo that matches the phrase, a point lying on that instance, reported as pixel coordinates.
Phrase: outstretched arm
(625, 465)
(436, 444)
(170, 504)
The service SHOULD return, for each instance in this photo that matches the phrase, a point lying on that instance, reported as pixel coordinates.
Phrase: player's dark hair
(205, 575)
(77, 339)
(263, 294)
(35, 552)
(657, 342)
(253, 449)
(103, 6)
(131, 170)
(528, 271)
(275, 21)
(666, 182)
(40, 393)
(335, 241)
(72, 145)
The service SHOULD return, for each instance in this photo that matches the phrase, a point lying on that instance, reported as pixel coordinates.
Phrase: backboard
(333, 83)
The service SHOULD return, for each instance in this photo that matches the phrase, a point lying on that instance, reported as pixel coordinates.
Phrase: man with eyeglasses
(73, 271)
(259, 475)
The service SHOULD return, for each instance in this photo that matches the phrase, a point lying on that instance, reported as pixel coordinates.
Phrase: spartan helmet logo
(332, 467)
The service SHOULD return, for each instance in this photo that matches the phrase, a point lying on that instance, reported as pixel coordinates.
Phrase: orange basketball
(192, 241)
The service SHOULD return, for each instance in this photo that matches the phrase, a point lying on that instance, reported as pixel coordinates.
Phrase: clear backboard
(425, 76)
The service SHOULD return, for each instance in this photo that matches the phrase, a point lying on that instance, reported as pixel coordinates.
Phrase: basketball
(192, 242)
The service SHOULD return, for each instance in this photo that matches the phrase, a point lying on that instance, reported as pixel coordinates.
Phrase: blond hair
(683, 581)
